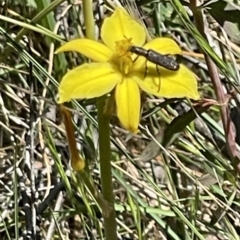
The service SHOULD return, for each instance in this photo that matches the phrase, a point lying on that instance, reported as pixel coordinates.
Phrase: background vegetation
(176, 179)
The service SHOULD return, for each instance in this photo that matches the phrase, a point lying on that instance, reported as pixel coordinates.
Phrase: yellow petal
(88, 81)
(164, 46)
(94, 50)
(127, 97)
(169, 84)
(119, 26)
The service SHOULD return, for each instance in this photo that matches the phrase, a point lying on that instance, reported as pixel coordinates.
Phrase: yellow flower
(116, 67)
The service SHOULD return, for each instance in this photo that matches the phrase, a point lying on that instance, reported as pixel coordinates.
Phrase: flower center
(122, 56)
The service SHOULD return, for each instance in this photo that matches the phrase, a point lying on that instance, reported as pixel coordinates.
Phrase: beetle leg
(159, 73)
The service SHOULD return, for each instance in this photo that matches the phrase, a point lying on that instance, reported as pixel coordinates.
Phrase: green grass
(176, 179)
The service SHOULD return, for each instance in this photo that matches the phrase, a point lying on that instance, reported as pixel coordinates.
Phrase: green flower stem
(89, 19)
(110, 225)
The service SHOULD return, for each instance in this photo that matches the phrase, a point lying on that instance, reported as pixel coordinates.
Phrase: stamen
(123, 56)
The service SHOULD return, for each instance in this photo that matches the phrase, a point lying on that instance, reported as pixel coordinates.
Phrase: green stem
(110, 224)
(109, 217)
(89, 19)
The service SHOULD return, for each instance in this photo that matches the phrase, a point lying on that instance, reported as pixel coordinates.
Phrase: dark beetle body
(165, 61)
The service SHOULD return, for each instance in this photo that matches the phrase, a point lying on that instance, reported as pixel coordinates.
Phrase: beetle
(162, 60)
(159, 59)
